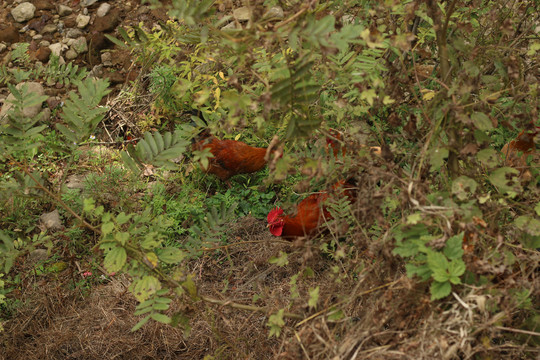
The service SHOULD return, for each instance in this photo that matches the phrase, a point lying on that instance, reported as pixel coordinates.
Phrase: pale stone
(23, 12)
(103, 10)
(82, 20)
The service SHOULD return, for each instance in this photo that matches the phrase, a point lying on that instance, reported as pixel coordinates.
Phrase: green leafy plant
(210, 230)
(63, 74)
(82, 112)
(21, 134)
(444, 268)
(155, 149)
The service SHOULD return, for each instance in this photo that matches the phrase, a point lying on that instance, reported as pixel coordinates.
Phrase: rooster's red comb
(274, 214)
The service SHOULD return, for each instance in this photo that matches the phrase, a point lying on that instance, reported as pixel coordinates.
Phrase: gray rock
(80, 45)
(45, 115)
(101, 151)
(73, 33)
(71, 54)
(29, 111)
(49, 29)
(103, 10)
(52, 220)
(64, 10)
(57, 48)
(97, 71)
(106, 59)
(37, 37)
(275, 12)
(82, 21)
(75, 181)
(38, 255)
(23, 12)
(2, 47)
(88, 2)
(143, 10)
(347, 19)
(242, 13)
(231, 26)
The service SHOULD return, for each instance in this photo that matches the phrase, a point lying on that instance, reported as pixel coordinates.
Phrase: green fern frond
(81, 112)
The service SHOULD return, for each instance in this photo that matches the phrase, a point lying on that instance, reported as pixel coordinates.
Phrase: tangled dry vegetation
(386, 314)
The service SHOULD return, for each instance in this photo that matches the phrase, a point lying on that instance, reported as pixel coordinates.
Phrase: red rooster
(309, 215)
(518, 150)
(231, 157)
(334, 141)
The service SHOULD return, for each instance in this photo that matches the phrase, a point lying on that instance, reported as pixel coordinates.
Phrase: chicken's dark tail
(198, 122)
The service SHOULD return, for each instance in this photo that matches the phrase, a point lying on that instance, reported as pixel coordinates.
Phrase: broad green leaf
(413, 219)
(122, 237)
(454, 247)
(170, 255)
(88, 205)
(440, 290)
(282, 260)
(506, 180)
(436, 157)
(368, 95)
(537, 209)
(122, 218)
(150, 241)
(143, 311)
(151, 142)
(313, 297)
(57, 267)
(276, 322)
(107, 228)
(488, 157)
(463, 187)
(115, 259)
(129, 162)
(456, 268)
(422, 271)
(335, 315)
(163, 300)
(190, 287)
(482, 121)
(140, 323)
(164, 319)
(438, 263)
(407, 248)
(528, 224)
(145, 287)
(471, 69)
(151, 259)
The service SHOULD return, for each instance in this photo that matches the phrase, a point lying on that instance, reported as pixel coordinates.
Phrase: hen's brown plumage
(310, 213)
(518, 150)
(231, 157)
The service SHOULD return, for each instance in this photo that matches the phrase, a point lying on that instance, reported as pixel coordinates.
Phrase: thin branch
(247, 307)
(532, 333)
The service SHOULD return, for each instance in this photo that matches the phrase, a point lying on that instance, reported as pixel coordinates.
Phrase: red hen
(309, 215)
(517, 151)
(231, 157)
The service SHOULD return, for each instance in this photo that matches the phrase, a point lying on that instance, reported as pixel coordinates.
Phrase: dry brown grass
(386, 316)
